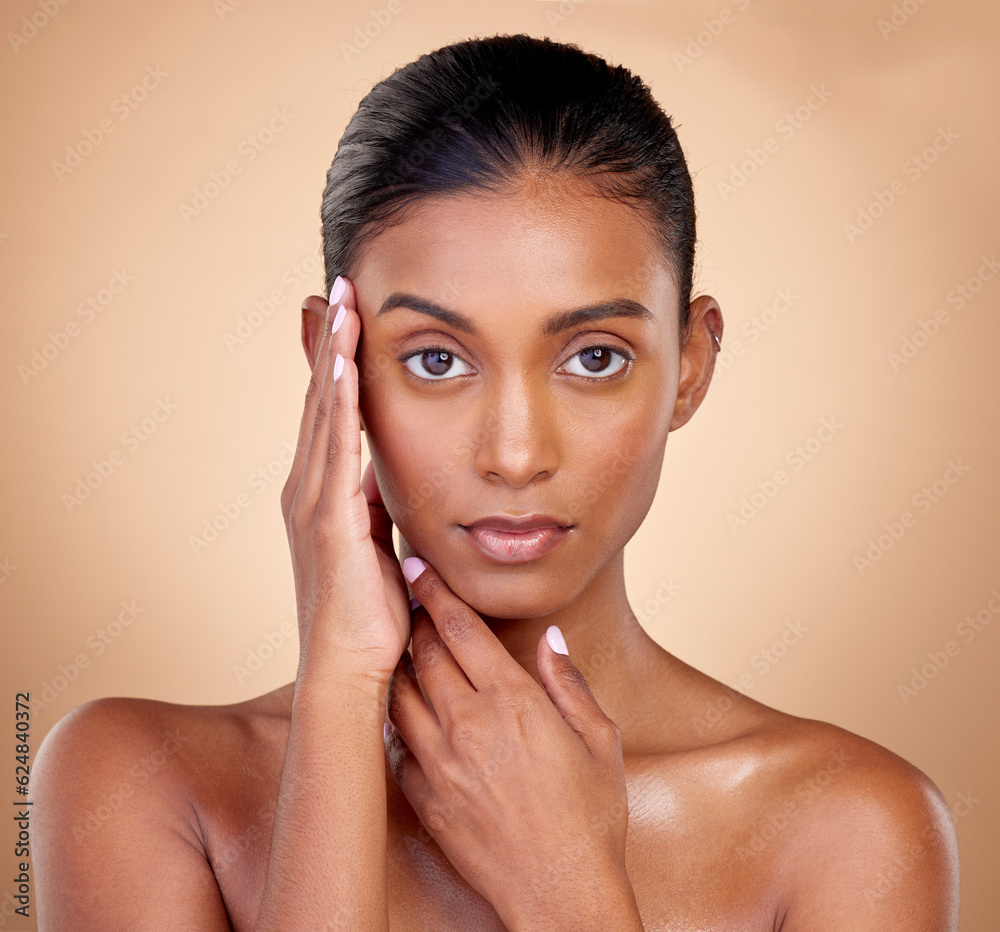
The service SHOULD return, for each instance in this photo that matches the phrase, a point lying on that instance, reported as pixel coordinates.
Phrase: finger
(309, 411)
(570, 693)
(440, 675)
(476, 649)
(410, 714)
(342, 461)
(316, 459)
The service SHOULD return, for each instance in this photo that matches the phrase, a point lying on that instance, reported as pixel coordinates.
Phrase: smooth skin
(520, 788)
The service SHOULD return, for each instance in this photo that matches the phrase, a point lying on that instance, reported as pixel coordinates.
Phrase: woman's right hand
(352, 603)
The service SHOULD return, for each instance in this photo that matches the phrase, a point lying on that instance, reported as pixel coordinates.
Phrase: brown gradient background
(825, 357)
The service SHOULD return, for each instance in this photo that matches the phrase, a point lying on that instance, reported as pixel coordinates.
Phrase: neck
(605, 640)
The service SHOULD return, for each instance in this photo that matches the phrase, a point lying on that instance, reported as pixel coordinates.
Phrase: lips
(517, 524)
(515, 539)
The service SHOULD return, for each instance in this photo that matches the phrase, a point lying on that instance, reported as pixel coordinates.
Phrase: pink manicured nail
(338, 289)
(338, 367)
(556, 640)
(413, 567)
(386, 731)
(415, 603)
(339, 319)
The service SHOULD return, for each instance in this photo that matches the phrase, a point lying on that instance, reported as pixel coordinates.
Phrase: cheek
(618, 464)
(414, 456)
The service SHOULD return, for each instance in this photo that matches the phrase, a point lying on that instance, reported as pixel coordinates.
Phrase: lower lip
(514, 547)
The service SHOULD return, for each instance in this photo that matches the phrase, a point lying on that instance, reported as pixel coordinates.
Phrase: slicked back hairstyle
(483, 114)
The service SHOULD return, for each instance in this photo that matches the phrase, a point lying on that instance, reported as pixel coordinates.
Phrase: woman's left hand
(522, 788)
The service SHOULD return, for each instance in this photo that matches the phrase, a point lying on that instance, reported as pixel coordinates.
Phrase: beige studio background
(844, 157)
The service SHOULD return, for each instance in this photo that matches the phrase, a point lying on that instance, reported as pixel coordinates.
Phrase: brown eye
(434, 364)
(598, 361)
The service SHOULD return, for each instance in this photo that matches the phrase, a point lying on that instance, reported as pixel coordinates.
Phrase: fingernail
(338, 289)
(415, 602)
(556, 640)
(386, 731)
(413, 567)
(338, 367)
(339, 319)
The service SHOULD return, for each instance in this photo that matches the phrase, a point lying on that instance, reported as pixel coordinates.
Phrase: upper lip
(517, 522)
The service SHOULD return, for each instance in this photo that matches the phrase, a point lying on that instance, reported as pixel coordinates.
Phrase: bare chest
(695, 860)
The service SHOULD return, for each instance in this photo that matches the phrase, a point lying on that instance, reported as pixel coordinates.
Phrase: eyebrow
(563, 320)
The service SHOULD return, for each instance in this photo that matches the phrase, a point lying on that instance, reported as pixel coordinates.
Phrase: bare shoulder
(867, 840)
(117, 789)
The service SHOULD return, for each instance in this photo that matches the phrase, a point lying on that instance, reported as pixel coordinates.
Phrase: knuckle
(456, 622)
(462, 735)
(336, 445)
(436, 815)
(429, 651)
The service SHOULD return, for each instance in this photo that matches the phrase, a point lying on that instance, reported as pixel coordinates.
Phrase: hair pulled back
(479, 115)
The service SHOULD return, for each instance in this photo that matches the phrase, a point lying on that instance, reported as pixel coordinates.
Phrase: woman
(509, 237)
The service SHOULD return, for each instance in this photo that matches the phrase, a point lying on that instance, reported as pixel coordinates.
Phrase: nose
(517, 437)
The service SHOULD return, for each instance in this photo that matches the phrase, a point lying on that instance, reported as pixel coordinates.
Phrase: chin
(511, 598)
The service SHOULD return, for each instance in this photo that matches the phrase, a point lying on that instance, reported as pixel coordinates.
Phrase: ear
(698, 352)
(313, 321)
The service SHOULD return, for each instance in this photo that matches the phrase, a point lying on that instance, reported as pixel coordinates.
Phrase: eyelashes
(441, 363)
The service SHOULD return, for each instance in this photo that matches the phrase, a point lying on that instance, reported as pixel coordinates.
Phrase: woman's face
(486, 392)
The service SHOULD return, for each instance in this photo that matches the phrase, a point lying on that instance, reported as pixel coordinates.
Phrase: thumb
(567, 688)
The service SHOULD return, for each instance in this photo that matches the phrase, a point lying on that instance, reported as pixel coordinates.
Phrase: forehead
(551, 242)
